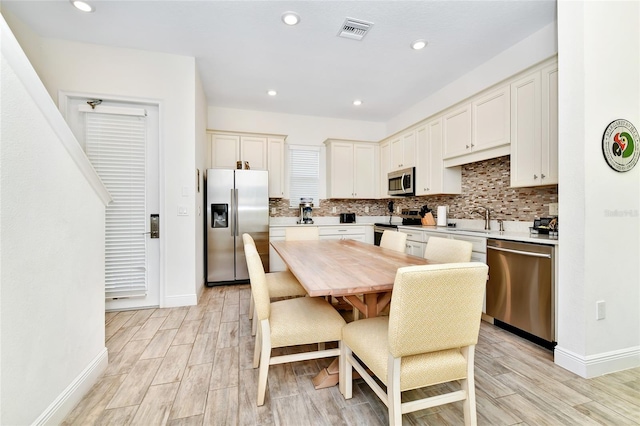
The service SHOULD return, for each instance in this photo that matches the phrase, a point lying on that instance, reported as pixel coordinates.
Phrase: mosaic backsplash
(484, 184)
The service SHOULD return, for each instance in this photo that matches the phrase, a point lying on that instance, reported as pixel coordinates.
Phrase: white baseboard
(77, 389)
(181, 300)
(599, 364)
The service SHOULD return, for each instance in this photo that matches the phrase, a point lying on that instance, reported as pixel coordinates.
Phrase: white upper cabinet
(431, 175)
(457, 131)
(534, 128)
(276, 167)
(491, 120)
(385, 167)
(225, 151)
(351, 169)
(261, 151)
(403, 151)
(478, 130)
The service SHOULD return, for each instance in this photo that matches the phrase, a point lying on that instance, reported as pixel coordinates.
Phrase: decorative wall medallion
(620, 145)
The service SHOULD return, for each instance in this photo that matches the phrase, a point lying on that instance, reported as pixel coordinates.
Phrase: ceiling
(243, 49)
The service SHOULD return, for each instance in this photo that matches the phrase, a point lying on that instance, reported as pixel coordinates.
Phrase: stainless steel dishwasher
(521, 288)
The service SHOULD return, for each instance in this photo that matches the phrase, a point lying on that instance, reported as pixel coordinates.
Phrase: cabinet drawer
(341, 230)
(276, 232)
(417, 236)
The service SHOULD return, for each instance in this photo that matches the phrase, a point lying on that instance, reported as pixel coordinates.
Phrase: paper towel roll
(442, 216)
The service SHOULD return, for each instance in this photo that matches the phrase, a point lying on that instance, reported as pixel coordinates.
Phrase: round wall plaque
(620, 145)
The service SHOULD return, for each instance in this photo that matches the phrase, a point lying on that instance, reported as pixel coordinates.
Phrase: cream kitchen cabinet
(534, 128)
(415, 241)
(261, 151)
(346, 232)
(403, 150)
(478, 130)
(351, 169)
(431, 175)
(275, 156)
(385, 168)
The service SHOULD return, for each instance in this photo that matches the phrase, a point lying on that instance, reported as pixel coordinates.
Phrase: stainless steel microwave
(402, 182)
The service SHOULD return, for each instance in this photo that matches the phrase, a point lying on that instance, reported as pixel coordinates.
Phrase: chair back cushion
(436, 307)
(445, 250)
(258, 278)
(394, 240)
(296, 233)
(248, 239)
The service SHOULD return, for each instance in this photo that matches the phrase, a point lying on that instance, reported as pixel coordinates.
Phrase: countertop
(515, 231)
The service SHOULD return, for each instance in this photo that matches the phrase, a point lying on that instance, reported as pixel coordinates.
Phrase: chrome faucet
(487, 217)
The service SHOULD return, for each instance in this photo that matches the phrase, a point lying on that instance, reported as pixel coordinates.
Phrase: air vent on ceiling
(354, 29)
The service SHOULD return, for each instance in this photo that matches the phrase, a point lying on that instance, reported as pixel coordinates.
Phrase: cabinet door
(549, 147)
(457, 132)
(397, 154)
(276, 167)
(254, 150)
(415, 249)
(225, 151)
(409, 149)
(525, 130)
(385, 168)
(341, 179)
(423, 161)
(491, 120)
(364, 180)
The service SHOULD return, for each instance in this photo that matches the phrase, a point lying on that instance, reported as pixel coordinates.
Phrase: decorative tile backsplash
(484, 184)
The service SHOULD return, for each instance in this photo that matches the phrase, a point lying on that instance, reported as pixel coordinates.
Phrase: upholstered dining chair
(394, 240)
(445, 250)
(281, 284)
(289, 322)
(294, 233)
(428, 338)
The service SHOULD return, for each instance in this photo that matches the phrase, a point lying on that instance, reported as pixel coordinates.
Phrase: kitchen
(585, 338)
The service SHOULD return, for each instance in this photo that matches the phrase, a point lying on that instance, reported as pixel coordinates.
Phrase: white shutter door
(304, 167)
(116, 145)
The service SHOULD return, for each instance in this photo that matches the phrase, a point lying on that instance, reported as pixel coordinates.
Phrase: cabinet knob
(542, 176)
(535, 176)
(472, 145)
(467, 146)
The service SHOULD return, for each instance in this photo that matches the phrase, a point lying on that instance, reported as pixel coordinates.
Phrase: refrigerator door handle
(232, 217)
(235, 212)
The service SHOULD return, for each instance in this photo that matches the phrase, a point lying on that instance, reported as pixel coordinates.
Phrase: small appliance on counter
(545, 225)
(347, 218)
(411, 217)
(306, 211)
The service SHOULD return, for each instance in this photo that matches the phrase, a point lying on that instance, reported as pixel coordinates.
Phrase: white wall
(201, 156)
(52, 260)
(169, 79)
(599, 81)
(528, 52)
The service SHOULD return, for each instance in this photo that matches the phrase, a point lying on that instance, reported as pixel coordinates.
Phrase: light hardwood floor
(192, 366)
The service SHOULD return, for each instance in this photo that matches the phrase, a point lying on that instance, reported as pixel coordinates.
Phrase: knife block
(428, 220)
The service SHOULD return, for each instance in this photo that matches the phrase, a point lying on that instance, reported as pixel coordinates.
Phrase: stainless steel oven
(402, 182)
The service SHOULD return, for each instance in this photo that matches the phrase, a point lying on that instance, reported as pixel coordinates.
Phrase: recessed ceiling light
(419, 44)
(271, 92)
(290, 18)
(81, 5)
(357, 102)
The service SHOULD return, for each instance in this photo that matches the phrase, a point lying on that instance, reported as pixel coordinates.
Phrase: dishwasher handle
(524, 253)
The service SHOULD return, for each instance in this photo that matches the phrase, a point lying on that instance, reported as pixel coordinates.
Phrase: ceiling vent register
(354, 29)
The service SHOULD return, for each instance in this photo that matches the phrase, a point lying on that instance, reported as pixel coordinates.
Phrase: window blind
(304, 174)
(116, 146)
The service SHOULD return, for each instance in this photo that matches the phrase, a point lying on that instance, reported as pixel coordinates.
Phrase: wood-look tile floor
(192, 366)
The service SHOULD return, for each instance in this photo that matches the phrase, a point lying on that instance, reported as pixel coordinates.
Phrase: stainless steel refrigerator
(237, 201)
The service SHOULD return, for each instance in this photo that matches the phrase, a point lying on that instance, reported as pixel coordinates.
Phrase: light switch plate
(553, 209)
(273, 210)
(366, 209)
(182, 211)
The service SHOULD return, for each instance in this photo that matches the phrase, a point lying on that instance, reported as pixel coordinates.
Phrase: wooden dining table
(346, 269)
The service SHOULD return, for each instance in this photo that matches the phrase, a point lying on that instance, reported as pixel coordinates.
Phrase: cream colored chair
(428, 338)
(394, 240)
(281, 284)
(290, 322)
(294, 233)
(445, 250)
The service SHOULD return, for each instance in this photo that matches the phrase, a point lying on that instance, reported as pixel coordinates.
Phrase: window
(304, 174)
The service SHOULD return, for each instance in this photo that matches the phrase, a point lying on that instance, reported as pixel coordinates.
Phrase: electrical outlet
(333, 210)
(601, 310)
(553, 209)
(366, 209)
(273, 210)
(398, 209)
